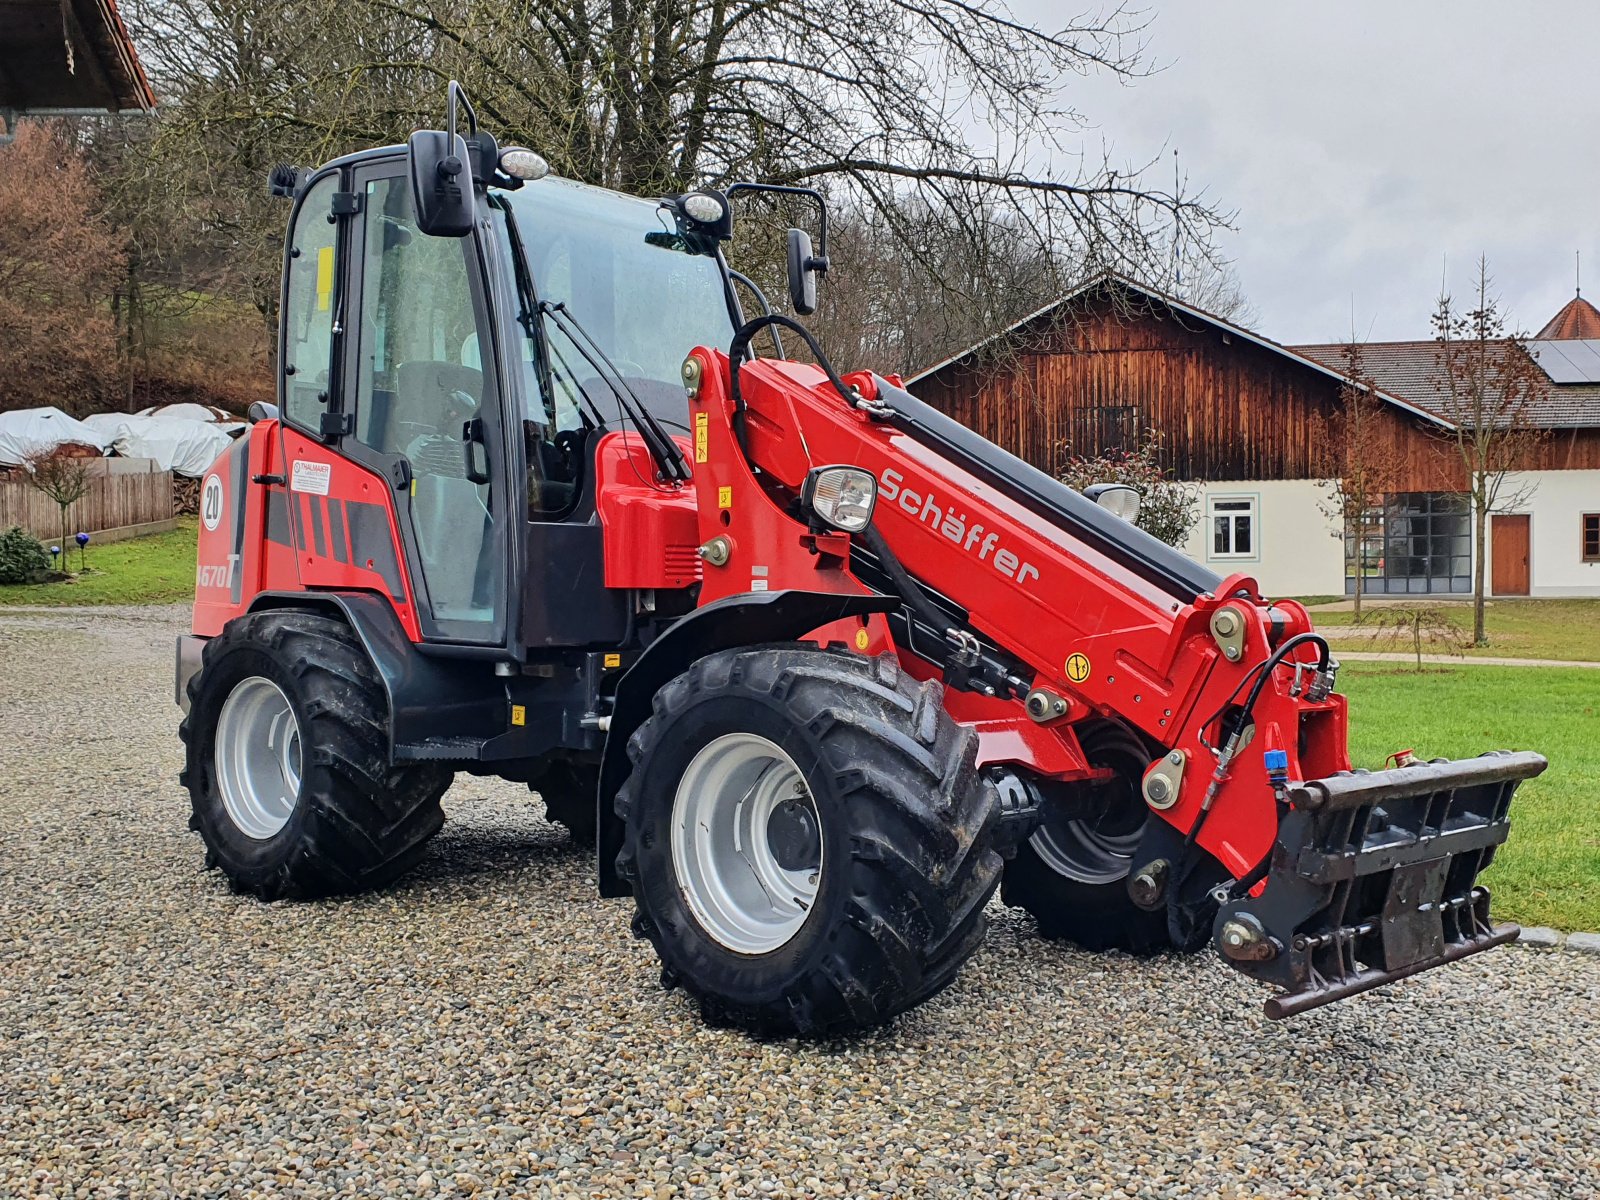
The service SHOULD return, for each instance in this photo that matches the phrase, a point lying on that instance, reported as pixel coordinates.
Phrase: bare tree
(1419, 625)
(876, 101)
(1487, 387)
(64, 478)
(1365, 461)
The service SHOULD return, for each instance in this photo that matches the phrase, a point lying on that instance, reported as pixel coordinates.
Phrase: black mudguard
(751, 619)
(432, 700)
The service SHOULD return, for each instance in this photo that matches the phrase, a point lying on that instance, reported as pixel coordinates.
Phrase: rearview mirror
(802, 273)
(441, 183)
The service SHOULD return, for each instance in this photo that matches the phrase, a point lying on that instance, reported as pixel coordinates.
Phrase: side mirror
(261, 410)
(802, 273)
(441, 183)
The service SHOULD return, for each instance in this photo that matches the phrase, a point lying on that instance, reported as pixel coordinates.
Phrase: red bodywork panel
(317, 522)
(652, 537)
(1040, 593)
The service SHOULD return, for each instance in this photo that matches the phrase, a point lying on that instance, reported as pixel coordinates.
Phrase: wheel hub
(258, 757)
(746, 843)
(1096, 847)
(793, 835)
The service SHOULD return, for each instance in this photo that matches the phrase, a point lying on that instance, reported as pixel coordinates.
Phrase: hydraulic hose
(741, 345)
(1242, 720)
(905, 587)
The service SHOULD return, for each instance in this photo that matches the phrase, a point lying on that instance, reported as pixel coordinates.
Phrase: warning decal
(1078, 668)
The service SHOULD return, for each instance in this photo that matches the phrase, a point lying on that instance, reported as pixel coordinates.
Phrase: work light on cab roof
(521, 163)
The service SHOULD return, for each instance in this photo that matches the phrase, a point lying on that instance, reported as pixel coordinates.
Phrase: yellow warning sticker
(724, 497)
(613, 660)
(519, 714)
(1078, 668)
(863, 639)
(324, 278)
(702, 432)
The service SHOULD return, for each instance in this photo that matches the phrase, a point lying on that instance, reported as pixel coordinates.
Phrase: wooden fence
(112, 502)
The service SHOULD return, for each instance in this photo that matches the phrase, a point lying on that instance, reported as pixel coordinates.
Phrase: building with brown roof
(67, 58)
(1248, 419)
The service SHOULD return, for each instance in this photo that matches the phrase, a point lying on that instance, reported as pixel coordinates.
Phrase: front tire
(287, 762)
(807, 839)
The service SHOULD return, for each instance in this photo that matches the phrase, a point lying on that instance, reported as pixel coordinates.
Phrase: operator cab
(498, 348)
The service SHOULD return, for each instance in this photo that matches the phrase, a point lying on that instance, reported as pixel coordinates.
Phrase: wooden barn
(67, 58)
(1248, 420)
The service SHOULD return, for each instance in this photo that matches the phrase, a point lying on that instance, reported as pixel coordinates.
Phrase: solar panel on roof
(1568, 361)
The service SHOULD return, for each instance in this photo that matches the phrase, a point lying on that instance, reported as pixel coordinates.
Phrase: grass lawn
(147, 570)
(1568, 629)
(1548, 873)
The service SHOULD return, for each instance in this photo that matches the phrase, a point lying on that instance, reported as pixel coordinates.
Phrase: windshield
(645, 294)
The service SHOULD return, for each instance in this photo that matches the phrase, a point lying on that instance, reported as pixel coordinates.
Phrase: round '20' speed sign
(211, 502)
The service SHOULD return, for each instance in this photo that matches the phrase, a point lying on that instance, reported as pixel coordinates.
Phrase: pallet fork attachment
(1373, 877)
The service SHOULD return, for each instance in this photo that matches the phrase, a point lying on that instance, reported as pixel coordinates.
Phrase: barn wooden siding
(1225, 407)
(113, 502)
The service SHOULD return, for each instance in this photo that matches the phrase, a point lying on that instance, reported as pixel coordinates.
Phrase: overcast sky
(1365, 143)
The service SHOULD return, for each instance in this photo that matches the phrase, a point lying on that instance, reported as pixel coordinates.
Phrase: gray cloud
(1367, 143)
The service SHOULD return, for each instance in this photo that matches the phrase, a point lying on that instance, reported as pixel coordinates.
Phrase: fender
(746, 619)
(431, 699)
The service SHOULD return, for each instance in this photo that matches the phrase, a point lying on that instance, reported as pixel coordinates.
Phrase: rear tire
(890, 872)
(1071, 875)
(301, 801)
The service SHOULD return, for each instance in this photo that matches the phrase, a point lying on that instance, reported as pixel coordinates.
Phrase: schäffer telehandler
(815, 667)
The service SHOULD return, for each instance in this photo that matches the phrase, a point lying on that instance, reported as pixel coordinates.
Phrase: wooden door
(1509, 543)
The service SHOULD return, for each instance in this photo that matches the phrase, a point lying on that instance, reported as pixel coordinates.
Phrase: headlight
(703, 207)
(841, 496)
(1118, 499)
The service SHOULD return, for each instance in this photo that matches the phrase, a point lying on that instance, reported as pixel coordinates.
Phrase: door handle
(473, 447)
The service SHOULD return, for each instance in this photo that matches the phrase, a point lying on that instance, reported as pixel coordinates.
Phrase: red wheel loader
(815, 668)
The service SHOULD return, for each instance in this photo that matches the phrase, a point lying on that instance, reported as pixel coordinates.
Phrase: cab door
(415, 407)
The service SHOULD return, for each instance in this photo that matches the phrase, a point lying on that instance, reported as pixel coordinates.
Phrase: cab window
(308, 306)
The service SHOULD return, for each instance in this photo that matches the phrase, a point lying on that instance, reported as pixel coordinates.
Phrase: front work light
(704, 207)
(841, 496)
(1118, 499)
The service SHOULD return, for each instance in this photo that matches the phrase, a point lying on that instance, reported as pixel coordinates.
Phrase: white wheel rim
(257, 757)
(737, 795)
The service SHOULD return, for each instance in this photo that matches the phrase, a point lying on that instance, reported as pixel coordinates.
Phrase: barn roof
(1413, 370)
(67, 57)
(1111, 281)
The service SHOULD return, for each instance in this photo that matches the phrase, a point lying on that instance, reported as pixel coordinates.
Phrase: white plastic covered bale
(189, 411)
(33, 431)
(184, 447)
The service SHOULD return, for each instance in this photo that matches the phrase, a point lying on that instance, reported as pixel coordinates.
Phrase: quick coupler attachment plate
(1374, 877)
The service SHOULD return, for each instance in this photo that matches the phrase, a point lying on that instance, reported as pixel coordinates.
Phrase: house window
(1233, 526)
(1419, 542)
(1591, 537)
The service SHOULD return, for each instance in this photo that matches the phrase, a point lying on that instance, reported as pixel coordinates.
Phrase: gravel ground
(489, 1028)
